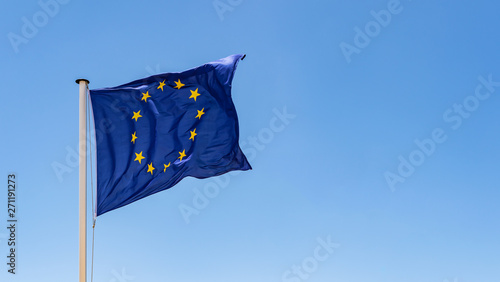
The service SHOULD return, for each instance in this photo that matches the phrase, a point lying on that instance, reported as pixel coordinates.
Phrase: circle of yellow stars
(136, 115)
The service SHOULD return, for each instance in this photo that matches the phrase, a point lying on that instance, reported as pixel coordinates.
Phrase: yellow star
(179, 84)
(138, 157)
(161, 85)
(151, 168)
(182, 154)
(194, 94)
(133, 138)
(137, 115)
(145, 96)
(193, 134)
(165, 169)
(200, 113)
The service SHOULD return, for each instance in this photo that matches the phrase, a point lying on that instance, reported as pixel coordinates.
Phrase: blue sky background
(322, 176)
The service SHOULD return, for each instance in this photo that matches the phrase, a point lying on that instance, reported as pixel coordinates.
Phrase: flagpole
(83, 178)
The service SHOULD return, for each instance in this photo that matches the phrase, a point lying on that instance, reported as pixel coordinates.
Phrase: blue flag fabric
(153, 132)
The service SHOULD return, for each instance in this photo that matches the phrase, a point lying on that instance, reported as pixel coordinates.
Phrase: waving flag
(153, 132)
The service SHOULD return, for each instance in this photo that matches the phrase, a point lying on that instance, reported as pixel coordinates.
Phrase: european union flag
(153, 132)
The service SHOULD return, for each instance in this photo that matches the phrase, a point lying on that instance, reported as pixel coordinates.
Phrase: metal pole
(83, 178)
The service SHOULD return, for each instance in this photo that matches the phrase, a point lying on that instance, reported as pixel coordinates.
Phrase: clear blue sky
(388, 170)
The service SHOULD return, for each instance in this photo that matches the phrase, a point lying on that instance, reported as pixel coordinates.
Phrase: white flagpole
(83, 178)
